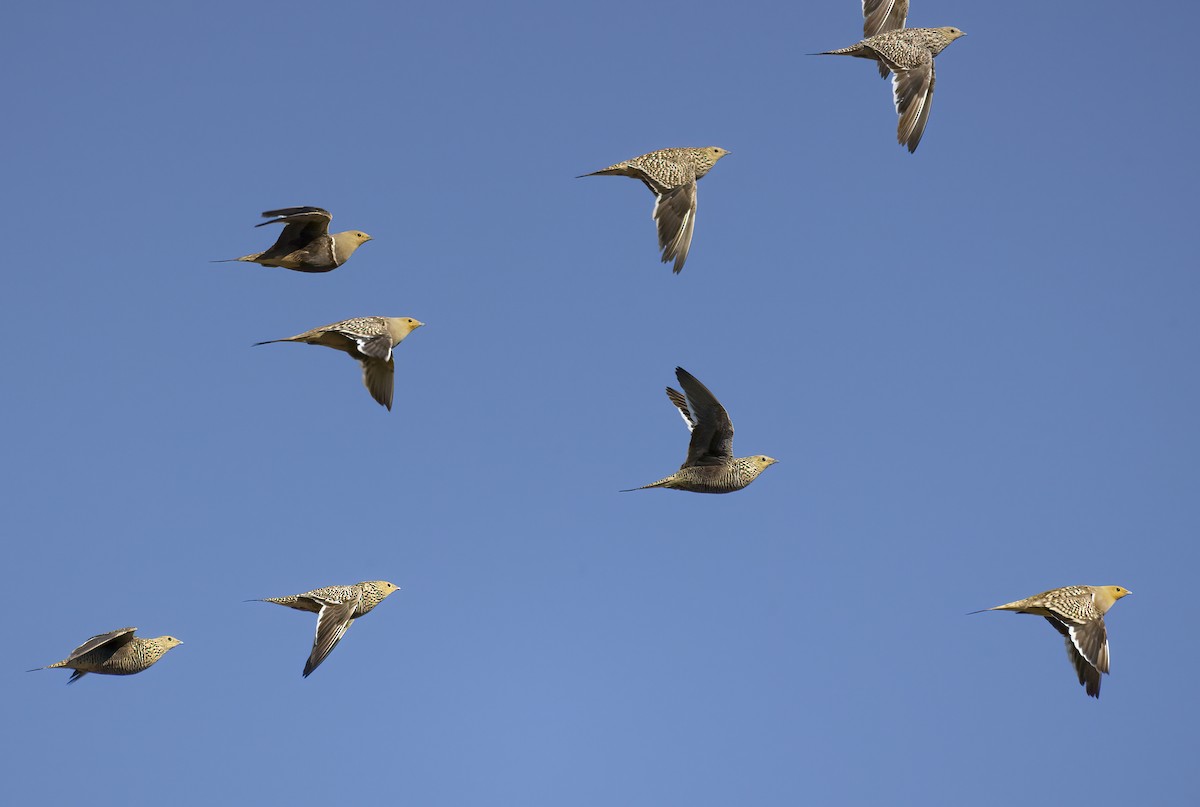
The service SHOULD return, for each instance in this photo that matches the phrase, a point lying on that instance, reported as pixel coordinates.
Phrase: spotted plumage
(710, 466)
(883, 15)
(1076, 612)
(671, 175)
(336, 608)
(306, 245)
(908, 53)
(118, 652)
(370, 341)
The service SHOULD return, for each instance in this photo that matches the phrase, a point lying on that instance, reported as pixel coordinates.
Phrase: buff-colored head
(400, 327)
(951, 33)
(384, 588)
(167, 642)
(762, 462)
(1107, 595)
(349, 241)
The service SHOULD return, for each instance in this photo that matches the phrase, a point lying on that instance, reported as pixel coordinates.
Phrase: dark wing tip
(285, 214)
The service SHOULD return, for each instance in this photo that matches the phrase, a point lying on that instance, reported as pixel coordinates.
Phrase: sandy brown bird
(908, 53)
(1077, 612)
(710, 466)
(671, 175)
(369, 340)
(336, 608)
(118, 652)
(306, 245)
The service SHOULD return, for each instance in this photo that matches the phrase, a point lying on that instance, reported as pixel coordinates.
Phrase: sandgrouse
(336, 608)
(370, 340)
(118, 652)
(1077, 612)
(908, 53)
(710, 466)
(305, 244)
(671, 175)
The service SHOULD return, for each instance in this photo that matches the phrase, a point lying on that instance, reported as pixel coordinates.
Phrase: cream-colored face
(361, 236)
(764, 461)
(953, 32)
(169, 641)
(386, 587)
(1118, 592)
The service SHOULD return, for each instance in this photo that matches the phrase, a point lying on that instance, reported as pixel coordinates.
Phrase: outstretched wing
(712, 434)
(332, 622)
(105, 642)
(675, 213)
(883, 15)
(1087, 650)
(912, 89)
(379, 377)
(302, 226)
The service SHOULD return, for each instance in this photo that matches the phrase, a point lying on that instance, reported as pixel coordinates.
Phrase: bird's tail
(247, 258)
(290, 602)
(271, 342)
(53, 666)
(662, 483)
(1008, 606)
(618, 170)
(853, 50)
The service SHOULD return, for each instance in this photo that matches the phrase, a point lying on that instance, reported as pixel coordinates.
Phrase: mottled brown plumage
(336, 607)
(118, 652)
(710, 466)
(306, 245)
(671, 175)
(883, 15)
(908, 53)
(1077, 612)
(370, 341)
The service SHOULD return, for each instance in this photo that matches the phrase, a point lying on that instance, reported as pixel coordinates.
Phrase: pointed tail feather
(247, 258)
(662, 483)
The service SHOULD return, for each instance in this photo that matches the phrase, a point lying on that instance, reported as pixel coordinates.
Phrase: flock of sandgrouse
(305, 245)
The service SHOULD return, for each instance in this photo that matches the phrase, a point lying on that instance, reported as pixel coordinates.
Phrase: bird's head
(167, 642)
(384, 587)
(1107, 595)
(952, 33)
(715, 152)
(400, 327)
(762, 462)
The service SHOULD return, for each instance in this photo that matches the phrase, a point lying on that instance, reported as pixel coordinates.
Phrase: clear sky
(977, 366)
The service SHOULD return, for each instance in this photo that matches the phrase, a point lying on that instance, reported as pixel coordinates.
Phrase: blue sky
(976, 365)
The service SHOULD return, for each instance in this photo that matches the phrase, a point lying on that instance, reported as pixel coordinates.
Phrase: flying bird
(305, 244)
(710, 466)
(908, 53)
(336, 608)
(671, 175)
(1077, 612)
(370, 340)
(118, 652)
